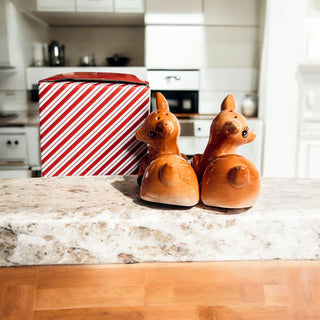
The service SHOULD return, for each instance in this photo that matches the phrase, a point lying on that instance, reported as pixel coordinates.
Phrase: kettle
(56, 54)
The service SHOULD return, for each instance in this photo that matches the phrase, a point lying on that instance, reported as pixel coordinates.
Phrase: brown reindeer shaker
(227, 180)
(167, 177)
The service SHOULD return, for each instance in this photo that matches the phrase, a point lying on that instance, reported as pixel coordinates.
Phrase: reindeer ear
(162, 104)
(231, 128)
(228, 103)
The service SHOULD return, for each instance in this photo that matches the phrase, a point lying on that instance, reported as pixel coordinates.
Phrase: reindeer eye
(245, 133)
(151, 133)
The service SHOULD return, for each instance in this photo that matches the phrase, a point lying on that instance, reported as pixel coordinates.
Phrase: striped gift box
(88, 123)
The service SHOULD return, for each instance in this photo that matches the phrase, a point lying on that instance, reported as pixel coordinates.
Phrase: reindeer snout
(252, 136)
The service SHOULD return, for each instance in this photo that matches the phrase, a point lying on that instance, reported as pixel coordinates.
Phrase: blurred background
(264, 52)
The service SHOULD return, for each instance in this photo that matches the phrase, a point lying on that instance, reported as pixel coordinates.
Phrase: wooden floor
(219, 290)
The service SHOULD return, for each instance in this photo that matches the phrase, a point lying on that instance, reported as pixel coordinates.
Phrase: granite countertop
(89, 220)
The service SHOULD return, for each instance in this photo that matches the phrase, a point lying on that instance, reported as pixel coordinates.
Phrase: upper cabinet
(55, 5)
(126, 6)
(204, 12)
(86, 12)
(174, 12)
(94, 5)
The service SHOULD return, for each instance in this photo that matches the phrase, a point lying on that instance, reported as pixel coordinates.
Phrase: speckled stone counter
(89, 220)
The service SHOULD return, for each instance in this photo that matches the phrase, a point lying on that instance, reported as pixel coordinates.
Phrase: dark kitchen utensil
(118, 60)
(54, 54)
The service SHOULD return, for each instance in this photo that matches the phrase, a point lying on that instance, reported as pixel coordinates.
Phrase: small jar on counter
(249, 106)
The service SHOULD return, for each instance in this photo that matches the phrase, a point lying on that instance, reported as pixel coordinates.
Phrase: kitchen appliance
(180, 101)
(118, 60)
(19, 152)
(56, 54)
(180, 88)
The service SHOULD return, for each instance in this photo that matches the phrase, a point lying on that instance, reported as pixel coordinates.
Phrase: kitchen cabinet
(67, 6)
(309, 122)
(56, 5)
(309, 155)
(94, 5)
(46, 5)
(174, 47)
(128, 6)
(174, 12)
(85, 12)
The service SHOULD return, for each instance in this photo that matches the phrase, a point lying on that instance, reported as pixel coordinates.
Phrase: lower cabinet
(309, 158)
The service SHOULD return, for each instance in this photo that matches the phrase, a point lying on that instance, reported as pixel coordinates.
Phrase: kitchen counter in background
(89, 220)
(22, 118)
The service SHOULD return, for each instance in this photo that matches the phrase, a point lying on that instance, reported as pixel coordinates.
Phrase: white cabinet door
(174, 47)
(94, 5)
(129, 6)
(174, 12)
(309, 159)
(56, 5)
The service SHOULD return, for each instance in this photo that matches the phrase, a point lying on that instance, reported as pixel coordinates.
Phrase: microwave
(180, 101)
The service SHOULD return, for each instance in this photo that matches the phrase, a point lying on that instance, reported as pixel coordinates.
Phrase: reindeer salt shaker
(165, 174)
(227, 180)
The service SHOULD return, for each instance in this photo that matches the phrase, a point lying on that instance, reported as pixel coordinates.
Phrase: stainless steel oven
(180, 88)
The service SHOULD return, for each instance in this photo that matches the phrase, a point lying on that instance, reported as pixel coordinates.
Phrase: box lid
(96, 77)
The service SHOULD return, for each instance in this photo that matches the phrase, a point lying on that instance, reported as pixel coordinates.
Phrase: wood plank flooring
(214, 290)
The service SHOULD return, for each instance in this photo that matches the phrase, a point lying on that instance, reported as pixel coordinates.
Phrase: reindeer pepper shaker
(165, 174)
(227, 180)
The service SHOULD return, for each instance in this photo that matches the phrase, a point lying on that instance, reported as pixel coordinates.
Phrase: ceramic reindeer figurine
(167, 177)
(227, 180)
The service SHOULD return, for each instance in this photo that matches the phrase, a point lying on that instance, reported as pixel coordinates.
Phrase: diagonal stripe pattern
(88, 128)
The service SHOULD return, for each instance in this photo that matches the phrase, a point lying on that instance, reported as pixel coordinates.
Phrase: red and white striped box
(88, 123)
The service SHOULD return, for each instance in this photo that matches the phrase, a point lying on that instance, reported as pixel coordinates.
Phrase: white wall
(24, 30)
(284, 50)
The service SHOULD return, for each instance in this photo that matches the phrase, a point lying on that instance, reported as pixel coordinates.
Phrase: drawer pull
(173, 77)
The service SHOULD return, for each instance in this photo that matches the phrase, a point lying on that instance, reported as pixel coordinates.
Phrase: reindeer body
(167, 177)
(227, 180)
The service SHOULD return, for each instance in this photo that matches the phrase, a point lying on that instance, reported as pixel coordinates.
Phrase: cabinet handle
(173, 77)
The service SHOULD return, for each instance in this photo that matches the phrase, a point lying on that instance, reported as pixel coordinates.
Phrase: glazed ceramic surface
(227, 180)
(165, 174)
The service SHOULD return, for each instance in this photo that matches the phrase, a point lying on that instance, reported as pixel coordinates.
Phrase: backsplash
(102, 41)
